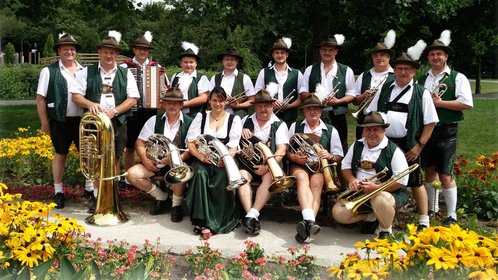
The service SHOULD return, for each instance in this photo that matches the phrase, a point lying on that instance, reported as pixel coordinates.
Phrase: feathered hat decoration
(321, 92)
(390, 39)
(115, 34)
(287, 41)
(61, 34)
(412, 54)
(339, 38)
(272, 89)
(187, 45)
(66, 39)
(443, 43)
(148, 36)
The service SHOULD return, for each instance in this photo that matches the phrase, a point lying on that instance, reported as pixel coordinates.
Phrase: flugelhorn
(353, 205)
(364, 104)
(441, 88)
(280, 182)
(287, 100)
(236, 98)
(97, 163)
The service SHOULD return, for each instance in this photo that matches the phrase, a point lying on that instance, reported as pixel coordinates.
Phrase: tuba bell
(97, 163)
(216, 150)
(280, 182)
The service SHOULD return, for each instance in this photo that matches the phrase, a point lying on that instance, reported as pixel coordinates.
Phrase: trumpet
(287, 100)
(364, 104)
(353, 205)
(333, 92)
(440, 89)
(236, 98)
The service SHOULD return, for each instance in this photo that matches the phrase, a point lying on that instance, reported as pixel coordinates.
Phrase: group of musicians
(403, 125)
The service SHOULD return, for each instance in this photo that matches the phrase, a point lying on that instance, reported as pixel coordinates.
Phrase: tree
(10, 54)
(48, 48)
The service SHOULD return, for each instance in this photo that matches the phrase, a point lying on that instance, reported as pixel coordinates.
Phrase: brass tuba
(280, 182)
(159, 146)
(360, 198)
(97, 163)
(216, 151)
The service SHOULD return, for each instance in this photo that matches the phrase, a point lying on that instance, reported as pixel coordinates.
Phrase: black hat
(66, 39)
(386, 45)
(332, 41)
(442, 43)
(283, 43)
(111, 41)
(263, 96)
(173, 94)
(312, 101)
(189, 50)
(144, 41)
(373, 119)
(231, 52)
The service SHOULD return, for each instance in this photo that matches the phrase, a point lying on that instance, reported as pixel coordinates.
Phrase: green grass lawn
(477, 133)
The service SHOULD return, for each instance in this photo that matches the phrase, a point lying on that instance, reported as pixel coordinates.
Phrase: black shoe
(384, 235)
(92, 206)
(299, 239)
(312, 227)
(302, 231)
(124, 186)
(159, 207)
(88, 195)
(256, 227)
(421, 228)
(177, 214)
(369, 227)
(59, 200)
(247, 225)
(449, 221)
(431, 214)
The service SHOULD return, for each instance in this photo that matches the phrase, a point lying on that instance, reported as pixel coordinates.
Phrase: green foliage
(10, 54)
(48, 48)
(18, 81)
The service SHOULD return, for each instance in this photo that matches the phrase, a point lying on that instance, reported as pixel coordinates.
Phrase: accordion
(149, 82)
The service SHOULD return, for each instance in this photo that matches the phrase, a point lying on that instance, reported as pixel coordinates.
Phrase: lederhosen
(192, 92)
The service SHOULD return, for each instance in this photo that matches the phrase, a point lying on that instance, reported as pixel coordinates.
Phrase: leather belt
(365, 164)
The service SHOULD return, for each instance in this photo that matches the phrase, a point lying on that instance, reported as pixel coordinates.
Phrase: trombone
(348, 194)
(285, 102)
(364, 104)
(236, 98)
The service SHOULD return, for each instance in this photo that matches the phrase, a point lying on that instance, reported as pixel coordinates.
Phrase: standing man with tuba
(289, 81)
(237, 84)
(59, 115)
(370, 82)
(408, 107)
(266, 127)
(450, 101)
(174, 125)
(108, 88)
(365, 159)
(338, 79)
(309, 184)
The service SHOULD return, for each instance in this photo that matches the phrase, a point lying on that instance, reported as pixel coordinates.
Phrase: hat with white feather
(412, 55)
(267, 94)
(386, 45)
(442, 43)
(111, 41)
(144, 41)
(190, 50)
(332, 41)
(66, 39)
(284, 43)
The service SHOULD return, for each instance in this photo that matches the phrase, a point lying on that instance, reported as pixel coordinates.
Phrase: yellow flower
(337, 271)
(377, 273)
(440, 259)
(26, 256)
(432, 234)
(484, 274)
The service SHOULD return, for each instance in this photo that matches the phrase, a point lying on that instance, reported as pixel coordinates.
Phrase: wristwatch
(116, 113)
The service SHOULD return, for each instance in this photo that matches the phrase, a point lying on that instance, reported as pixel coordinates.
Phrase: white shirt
(398, 162)
(263, 133)
(72, 110)
(227, 83)
(169, 131)
(281, 79)
(234, 134)
(335, 141)
(463, 91)
(107, 101)
(203, 85)
(397, 120)
(378, 80)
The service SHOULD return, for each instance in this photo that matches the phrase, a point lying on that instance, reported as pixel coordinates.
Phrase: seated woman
(213, 209)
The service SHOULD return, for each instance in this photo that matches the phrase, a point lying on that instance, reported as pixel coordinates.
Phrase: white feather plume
(188, 45)
(339, 38)
(116, 35)
(287, 41)
(272, 89)
(321, 92)
(415, 51)
(148, 36)
(445, 37)
(390, 39)
(184, 83)
(61, 34)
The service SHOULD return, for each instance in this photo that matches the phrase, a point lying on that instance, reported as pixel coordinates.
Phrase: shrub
(48, 48)
(10, 54)
(19, 81)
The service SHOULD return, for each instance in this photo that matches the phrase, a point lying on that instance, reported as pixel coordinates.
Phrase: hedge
(19, 81)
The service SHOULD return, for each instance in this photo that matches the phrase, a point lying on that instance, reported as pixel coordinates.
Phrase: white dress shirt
(169, 131)
(463, 91)
(227, 83)
(203, 85)
(281, 79)
(263, 133)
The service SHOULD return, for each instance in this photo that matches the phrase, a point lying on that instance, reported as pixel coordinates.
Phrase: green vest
(316, 78)
(238, 84)
(94, 83)
(446, 115)
(273, 131)
(182, 132)
(56, 93)
(192, 91)
(415, 119)
(367, 79)
(324, 139)
(384, 160)
(289, 85)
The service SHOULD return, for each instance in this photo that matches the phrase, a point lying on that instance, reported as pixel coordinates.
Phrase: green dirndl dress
(210, 204)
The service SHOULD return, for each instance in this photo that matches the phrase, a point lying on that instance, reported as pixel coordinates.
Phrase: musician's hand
(166, 161)
(325, 154)
(45, 127)
(332, 101)
(109, 113)
(246, 133)
(221, 164)
(413, 153)
(277, 105)
(150, 165)
(204, 159)
(261, 169)
(95, 108)
(366, 94)
(299, 159)
(354, 185)
(368, 186)
(437, 100)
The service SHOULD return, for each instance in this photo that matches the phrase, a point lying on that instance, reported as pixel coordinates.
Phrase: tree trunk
(478, 78)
